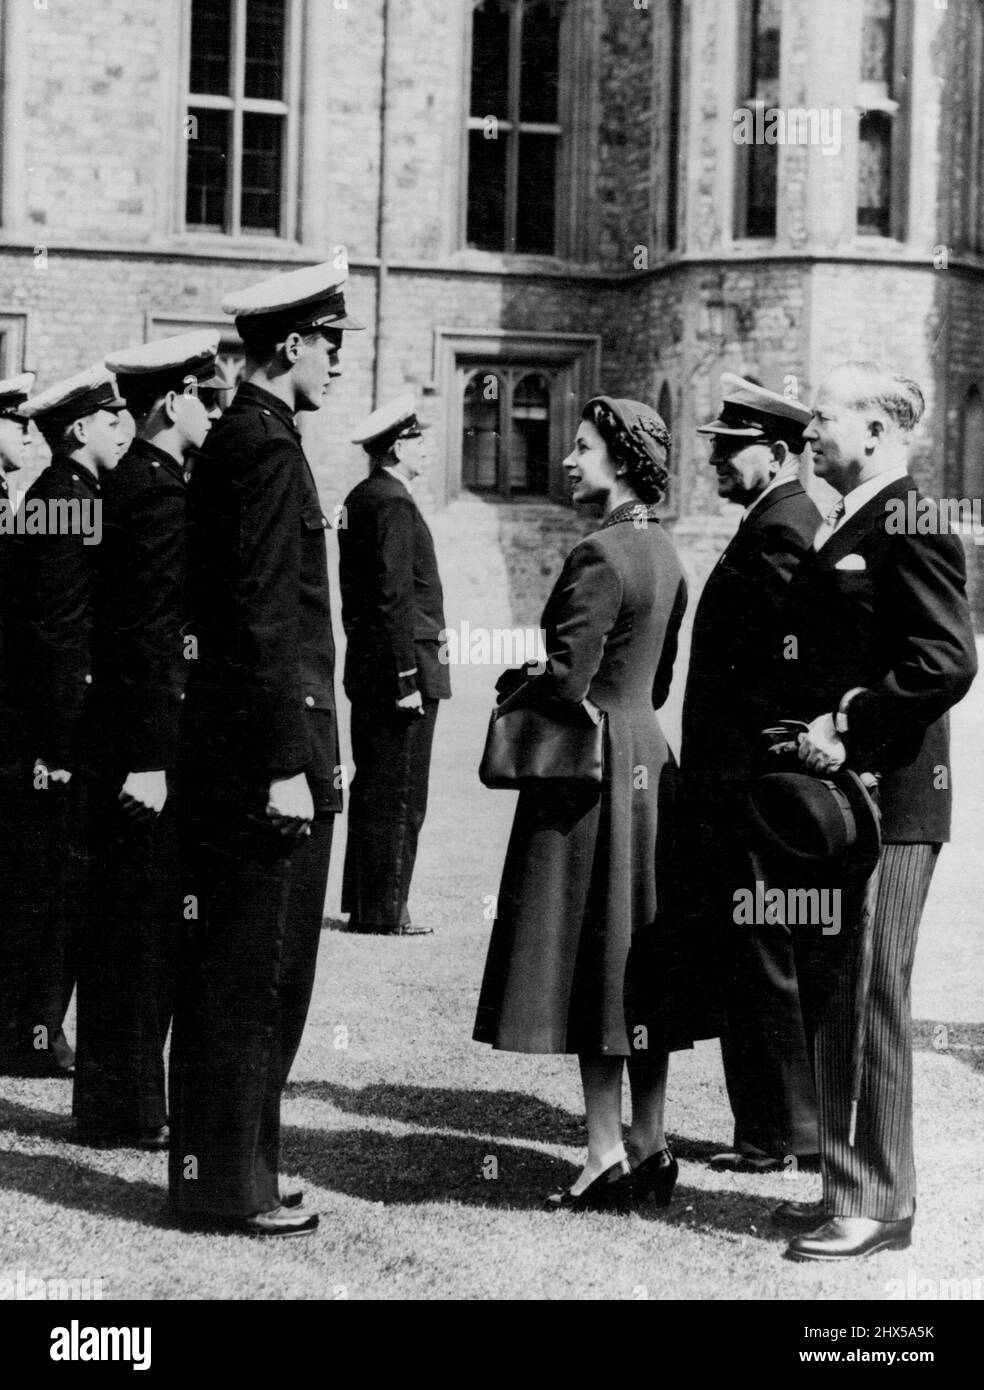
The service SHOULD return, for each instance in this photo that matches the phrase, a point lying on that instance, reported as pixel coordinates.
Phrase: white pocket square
(851, 562)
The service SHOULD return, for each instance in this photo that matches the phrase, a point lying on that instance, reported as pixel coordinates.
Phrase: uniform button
(309, 701)
(324, 522)
(265, 411)
(88, 680)
(154, 463)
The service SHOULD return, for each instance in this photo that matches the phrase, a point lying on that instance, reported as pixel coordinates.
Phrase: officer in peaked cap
(14, 444)
(756, 439)
(260, 762)
(393, 614)
(130, 746)
(52, 591)
(14, 426)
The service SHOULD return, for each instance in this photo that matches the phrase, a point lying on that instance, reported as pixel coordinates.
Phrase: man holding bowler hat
(884, 647)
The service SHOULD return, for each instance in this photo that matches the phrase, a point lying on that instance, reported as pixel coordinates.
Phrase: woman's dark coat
(580, 884)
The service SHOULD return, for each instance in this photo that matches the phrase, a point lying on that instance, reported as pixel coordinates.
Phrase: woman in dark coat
(573, 963)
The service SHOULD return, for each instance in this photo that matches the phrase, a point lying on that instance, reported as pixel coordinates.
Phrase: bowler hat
(813, 822)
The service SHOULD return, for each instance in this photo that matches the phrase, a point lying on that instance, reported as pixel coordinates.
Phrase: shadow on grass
(962, 1041)
(414, 1169)
(18, 1118)
(64, 1183)
(511, 1114)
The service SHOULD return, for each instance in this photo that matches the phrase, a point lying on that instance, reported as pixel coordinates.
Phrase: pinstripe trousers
(876, 1178)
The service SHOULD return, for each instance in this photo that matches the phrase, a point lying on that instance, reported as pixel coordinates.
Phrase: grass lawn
(428, 1155)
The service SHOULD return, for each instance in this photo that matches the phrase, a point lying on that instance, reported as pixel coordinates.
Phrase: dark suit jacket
(896, 621)
(734, 634)
(53, 583)
(392, 602)
(260, 701)
(132, 719)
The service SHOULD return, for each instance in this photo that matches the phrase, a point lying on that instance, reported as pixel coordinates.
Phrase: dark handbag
(544, 743)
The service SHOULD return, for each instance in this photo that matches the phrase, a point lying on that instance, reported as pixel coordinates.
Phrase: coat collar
(77, 472)
(792, 488)
(248, 393)
(632, 511)
(143, 448)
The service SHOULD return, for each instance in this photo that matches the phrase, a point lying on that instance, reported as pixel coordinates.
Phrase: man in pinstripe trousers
(883, 647)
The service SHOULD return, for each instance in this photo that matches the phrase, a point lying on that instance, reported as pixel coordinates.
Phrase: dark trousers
(876, 1178)
(126, 964)
(43, 913)
(764, 1049)
(245, 982)
(387, 805)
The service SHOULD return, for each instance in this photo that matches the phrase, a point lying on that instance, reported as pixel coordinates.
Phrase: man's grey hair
(877, 386)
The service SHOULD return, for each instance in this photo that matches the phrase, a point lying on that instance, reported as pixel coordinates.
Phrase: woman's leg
(647, 1082)
(601, 1078)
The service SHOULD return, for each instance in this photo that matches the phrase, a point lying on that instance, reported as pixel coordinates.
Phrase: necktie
(829, 524)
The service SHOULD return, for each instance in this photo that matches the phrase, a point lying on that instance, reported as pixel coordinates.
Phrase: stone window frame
(742, 153)
(13, 342)
(896, 110)
(296, 35)
(967, 220)
(973, 393)
(458, 350)
(575, 212)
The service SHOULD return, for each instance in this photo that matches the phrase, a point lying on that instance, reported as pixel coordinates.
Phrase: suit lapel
(865, 519)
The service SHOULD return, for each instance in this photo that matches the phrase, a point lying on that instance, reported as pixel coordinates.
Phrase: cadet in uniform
(53, 584)
(393, 614)
(260, 763)
(131, 728)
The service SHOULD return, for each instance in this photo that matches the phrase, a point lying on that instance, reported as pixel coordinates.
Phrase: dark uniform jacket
(888, 612)
(53, 590)
(132, 718)
(260, 699)
(735, 634)
(392, 602)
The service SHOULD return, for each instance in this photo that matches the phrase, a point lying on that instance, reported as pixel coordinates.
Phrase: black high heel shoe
(657, 1175)
(604, 1194)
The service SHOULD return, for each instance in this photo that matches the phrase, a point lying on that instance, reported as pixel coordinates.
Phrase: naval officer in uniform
(260, 763)
(756, 439)
(393, 614)
(54, 584)
(14, 446)
(130, 747)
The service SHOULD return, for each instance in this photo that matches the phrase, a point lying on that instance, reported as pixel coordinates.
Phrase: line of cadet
(170, 768)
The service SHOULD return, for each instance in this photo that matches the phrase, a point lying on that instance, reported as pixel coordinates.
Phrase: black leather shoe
(800, 1216)
(373, 929)
(292, 1200)
(606, 1193)
(265, 1223)
(851, 1238)
(656, 1175)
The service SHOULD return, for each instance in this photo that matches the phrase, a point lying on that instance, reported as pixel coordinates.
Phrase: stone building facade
(536, 199)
